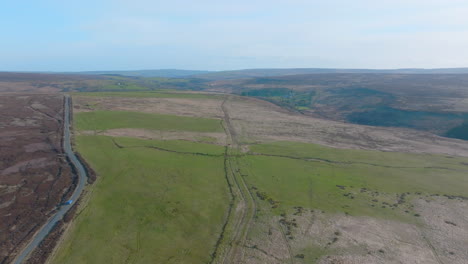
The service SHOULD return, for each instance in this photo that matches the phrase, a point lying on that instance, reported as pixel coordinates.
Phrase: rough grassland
(338, 180)
(102, 120)
(148, 206)
(156, 94)
(317, 204)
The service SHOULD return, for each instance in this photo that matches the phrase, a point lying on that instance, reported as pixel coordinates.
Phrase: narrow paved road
(82, 177)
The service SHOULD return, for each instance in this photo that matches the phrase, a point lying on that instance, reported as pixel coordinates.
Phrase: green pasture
(147, 206)
(350, 181)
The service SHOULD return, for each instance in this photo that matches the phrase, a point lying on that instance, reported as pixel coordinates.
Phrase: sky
(58, 35)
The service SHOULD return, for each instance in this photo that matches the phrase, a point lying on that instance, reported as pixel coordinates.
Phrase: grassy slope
(148, 206)
(102, 120)
(313, 184)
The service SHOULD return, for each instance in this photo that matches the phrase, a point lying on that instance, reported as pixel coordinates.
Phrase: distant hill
(167, 73)
(43, 77)
(87, 82)
(429, 102)
(255, 73)
(251, 73)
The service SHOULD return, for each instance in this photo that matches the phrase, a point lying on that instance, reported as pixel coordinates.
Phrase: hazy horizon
(119, 35)
(239, 69)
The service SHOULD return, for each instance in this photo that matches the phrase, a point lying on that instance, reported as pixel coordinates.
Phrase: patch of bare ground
(266, 243)
(349, 239)
(259, 121)
(445, 227)
(438, 236)
(34, 176)
(210, 108)
(215, 138)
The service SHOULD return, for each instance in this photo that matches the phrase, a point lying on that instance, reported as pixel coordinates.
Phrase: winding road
(82, 178)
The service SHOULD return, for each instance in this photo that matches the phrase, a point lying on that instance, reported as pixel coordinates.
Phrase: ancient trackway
(245, 208)
(82, 178)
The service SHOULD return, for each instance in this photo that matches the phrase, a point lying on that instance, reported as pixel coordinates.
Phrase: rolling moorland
(259, 184)
(434, 103)
(426, 100)
(266, 169)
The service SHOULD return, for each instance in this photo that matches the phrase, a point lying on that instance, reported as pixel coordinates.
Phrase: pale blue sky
(58, 35)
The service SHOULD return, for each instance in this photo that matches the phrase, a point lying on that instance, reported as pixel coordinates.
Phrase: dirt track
(244, 207)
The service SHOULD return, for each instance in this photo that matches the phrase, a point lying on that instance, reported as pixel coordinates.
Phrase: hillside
(428, 102)
(55, 82)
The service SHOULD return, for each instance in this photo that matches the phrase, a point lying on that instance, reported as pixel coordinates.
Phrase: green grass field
(148, 206)
(336, 180)
(103, 120)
